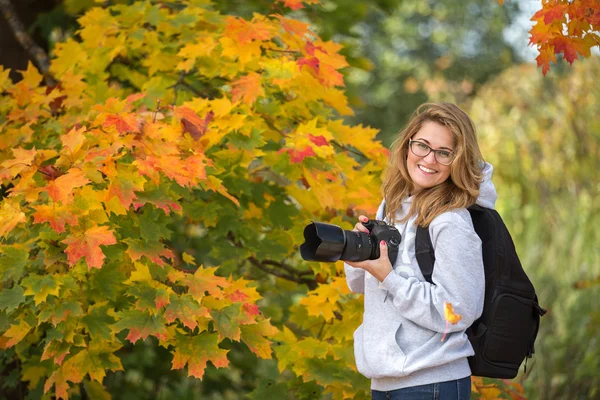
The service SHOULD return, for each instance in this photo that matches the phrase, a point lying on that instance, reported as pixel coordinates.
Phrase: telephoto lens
(329, 243)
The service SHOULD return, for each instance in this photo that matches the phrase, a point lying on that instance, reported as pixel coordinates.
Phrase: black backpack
(505, 333)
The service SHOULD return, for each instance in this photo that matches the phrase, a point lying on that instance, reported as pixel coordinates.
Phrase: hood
(487, 191)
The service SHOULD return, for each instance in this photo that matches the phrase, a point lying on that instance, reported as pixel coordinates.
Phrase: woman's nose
(430, 158)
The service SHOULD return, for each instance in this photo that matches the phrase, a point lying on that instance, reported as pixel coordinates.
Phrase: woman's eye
(443, 153)
(422, 146)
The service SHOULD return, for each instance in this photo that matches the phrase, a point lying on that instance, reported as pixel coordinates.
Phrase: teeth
(422, 168)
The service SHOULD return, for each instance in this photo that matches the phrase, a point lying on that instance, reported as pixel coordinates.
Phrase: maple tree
(173, 126)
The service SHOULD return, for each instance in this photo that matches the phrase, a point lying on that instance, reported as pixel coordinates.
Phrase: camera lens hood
(323, 242)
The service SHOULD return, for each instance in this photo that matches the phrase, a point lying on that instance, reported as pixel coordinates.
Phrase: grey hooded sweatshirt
(399, 343)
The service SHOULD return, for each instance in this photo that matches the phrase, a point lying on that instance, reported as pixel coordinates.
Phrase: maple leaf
(196, 351)
(551, 12)
(13, 167)
(141, 325)
(246, 31)
(248, 88)
(227, 321)
(567, 47)
(16, 333)
(192, 123)
(124, 185)
(319, 140)
(202, 281)
(122, 122)
(255, 337)
(10, 216)
(186, 309)
(153, 251)
(545, 57)
(61, 189)
(56, 349)
(40, 287)
(297, 156)
(74, 139)
(88, 245)
(292, 26)
(56, 215)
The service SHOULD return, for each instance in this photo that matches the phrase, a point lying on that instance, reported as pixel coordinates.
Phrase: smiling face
(426, 172)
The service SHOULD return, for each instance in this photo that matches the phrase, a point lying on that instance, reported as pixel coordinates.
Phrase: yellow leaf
(31, 76)
(16, 333)
(450, 315)
(10, 216)
(141, 274)
(188, 258)
(4, 80)
(33, 374)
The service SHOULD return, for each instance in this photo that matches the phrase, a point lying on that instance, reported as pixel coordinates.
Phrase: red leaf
(298, 156)
(567, 47)
(318, 140)
(551, 12)
(88, 245)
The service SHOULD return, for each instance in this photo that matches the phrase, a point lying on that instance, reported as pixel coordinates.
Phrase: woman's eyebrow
(427, 141)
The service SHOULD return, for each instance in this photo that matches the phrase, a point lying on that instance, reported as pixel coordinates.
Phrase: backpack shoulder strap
(424, 252)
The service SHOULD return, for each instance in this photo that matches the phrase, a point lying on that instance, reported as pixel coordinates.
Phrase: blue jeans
(459, 389)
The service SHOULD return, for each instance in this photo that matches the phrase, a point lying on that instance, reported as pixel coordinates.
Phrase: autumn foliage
(565, 27)
(174, 126)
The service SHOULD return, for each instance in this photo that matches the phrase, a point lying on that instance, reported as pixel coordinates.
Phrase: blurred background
(542, 134)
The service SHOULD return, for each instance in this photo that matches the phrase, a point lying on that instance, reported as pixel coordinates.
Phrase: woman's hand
(379, 268)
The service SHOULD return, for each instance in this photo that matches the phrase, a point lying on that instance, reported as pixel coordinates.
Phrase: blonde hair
(460, 190)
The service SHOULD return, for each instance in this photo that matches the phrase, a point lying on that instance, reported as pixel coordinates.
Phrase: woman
(435, 172)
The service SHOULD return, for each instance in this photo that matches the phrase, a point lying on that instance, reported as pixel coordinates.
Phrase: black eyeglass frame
(435, 151)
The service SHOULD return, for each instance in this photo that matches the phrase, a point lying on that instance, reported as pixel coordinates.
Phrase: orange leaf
(551, 12)
(23, 159)
(546, 56)
(88, 245)
(61, 188)
(246, 31)
(247, 88)
(10, 216)
(192, 123)
(57, 217)
(123, 122)
(297, 4)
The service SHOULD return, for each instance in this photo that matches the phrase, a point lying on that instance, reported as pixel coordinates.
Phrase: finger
(362, 218)
(383, 250)
(360, 227)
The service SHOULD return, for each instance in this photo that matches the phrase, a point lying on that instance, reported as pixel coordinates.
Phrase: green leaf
(98, 321)
(12, 298)
(13, 259)
(227, 321)
(154, 225)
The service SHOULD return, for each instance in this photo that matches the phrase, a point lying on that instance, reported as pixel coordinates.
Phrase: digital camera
(330, 243)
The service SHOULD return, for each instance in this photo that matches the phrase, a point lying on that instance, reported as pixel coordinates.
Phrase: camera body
(329, 243)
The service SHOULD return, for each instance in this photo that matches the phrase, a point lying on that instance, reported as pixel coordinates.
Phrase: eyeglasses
(420, 149)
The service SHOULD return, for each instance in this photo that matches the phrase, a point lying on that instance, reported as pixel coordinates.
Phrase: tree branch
(311, 283)
(36, 53)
